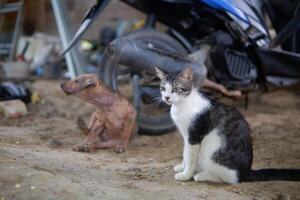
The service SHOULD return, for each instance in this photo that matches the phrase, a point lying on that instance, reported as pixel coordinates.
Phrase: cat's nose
(167, 98)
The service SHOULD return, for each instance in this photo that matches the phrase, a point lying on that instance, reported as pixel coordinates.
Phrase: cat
(217, 140)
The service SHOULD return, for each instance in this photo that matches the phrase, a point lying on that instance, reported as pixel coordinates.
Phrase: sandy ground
(36, 160)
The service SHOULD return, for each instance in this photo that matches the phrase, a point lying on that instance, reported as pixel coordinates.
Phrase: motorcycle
(227, 42)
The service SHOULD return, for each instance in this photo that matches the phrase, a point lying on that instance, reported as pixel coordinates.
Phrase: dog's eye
(77, 81)
(162, 88)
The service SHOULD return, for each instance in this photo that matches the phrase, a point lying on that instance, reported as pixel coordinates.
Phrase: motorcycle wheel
(110, 72)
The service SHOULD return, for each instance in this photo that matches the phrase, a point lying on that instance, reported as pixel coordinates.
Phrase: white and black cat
(217, 140)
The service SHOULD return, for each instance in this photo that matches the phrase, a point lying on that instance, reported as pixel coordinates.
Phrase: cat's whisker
(157, 98)
(157, 101)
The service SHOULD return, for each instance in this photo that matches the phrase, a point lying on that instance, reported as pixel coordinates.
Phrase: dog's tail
(82, 126)
(273, 175)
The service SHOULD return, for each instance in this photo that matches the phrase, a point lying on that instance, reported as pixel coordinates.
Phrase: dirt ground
(36, 160)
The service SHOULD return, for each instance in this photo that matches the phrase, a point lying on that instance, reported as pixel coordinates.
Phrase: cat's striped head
(175, 87)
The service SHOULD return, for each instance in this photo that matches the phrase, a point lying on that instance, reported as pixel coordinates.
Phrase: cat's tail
(273, 175)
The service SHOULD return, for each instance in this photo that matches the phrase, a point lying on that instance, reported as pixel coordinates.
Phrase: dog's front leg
(125, 134)
(92, 139)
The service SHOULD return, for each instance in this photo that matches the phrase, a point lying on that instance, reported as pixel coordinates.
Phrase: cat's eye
(162, 88)
(179, 90)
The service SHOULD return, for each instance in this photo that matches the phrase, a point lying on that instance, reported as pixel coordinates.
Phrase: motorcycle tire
(108, 71)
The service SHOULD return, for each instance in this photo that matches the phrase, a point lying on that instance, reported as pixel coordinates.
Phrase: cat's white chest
(184, 113)
(182, 119)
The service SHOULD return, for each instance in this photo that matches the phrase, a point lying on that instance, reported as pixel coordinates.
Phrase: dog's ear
(88, 83)
(160, 74)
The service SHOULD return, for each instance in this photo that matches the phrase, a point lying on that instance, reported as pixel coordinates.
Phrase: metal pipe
(19, 8)
(126, 51)
(63, 36)
(73, 59)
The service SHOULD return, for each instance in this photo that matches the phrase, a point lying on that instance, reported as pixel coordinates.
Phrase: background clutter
(239, 61)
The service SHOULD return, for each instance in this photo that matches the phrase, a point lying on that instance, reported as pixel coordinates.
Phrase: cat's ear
(186, 74)
(160, 74)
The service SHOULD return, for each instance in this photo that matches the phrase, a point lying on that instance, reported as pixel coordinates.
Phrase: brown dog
(114, 121)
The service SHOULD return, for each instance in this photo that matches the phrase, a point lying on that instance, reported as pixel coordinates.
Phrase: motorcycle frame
(218, 20)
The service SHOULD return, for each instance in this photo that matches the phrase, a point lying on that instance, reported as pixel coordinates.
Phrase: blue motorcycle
(227, 42)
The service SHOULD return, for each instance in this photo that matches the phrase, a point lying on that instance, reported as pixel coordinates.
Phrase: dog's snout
(64, 88)
(167, 98)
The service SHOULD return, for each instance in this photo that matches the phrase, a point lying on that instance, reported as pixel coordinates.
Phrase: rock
(13, 108)
(53, 143)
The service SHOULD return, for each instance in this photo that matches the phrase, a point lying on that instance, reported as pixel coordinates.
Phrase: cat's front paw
(182, 176)
(179, 168)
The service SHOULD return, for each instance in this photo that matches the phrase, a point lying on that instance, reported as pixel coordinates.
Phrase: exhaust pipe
(127, 51)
